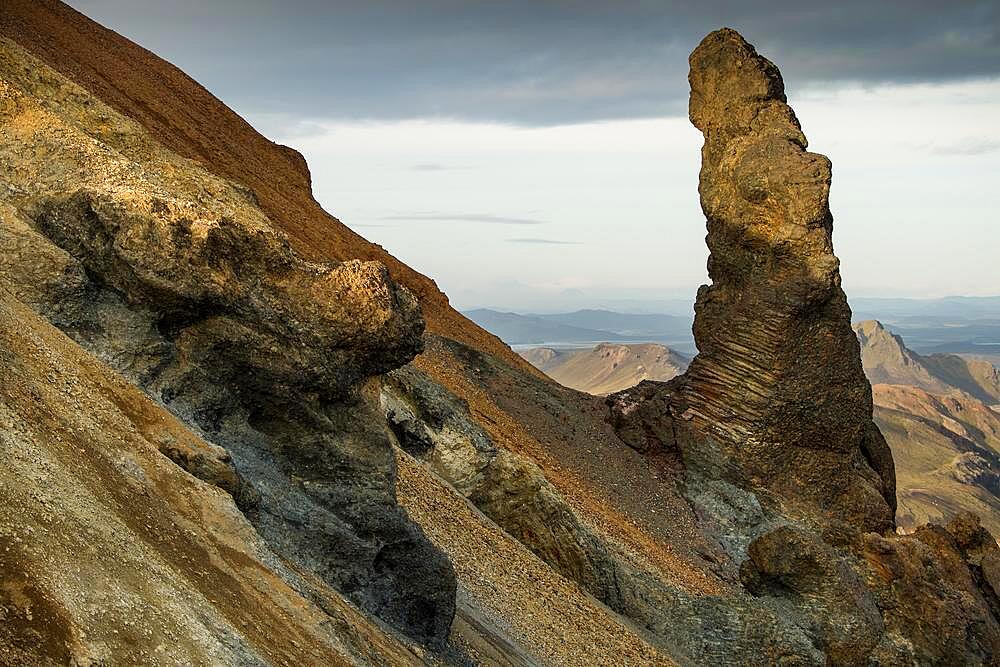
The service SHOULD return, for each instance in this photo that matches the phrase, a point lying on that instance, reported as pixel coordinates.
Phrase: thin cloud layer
(533, 62)
(543, 241)
(463, 217)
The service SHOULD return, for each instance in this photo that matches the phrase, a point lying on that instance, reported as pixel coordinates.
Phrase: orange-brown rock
(191, 122)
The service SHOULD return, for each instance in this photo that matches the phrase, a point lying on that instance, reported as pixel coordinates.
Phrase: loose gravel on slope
(549, 616)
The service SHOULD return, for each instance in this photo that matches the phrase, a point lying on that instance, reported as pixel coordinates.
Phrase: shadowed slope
(110, 552)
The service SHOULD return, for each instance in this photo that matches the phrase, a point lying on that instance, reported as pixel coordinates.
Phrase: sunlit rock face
(777, 391)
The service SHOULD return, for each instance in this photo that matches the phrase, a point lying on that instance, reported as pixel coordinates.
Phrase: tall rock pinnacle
(777, 389)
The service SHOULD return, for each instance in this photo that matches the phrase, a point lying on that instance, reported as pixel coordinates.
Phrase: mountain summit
(887, 360)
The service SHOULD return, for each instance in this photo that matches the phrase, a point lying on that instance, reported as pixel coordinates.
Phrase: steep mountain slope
(183, 282)
(608, 367)
(945, 441)
(383, 476)
(887, 360)
(947, 453)
(178, 279)
(191, 122)
(113, 554)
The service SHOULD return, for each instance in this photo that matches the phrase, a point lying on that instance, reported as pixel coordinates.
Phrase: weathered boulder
(932, 595)
(236, 293)
(777, 395)
(641, 415)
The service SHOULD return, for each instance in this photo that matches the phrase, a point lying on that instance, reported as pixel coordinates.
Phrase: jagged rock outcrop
(112, 554)
(776, 396)
(773, 419)
(641, 415)
(434, 426)
(437, 429)
(874, 600)
(199, 341)
(179, 280)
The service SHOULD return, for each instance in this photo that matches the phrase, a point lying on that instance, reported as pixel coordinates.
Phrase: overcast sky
(520, 152)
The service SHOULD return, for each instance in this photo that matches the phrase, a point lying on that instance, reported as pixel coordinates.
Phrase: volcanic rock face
(112, 554)
(181, 282)
(777, 386)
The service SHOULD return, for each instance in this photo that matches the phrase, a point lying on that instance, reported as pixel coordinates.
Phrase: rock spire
(777, 387)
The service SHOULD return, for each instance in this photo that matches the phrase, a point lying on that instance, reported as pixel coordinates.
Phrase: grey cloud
(968, 146)
(431, 166)
(463, 217)
(543, 241)
(536, 62)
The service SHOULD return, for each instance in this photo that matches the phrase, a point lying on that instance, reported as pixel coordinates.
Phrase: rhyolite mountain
(607, 367)
(937, 414)
(887, 360)
(234, 432)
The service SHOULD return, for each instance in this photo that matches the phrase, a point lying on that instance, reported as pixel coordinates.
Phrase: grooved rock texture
(777, 385)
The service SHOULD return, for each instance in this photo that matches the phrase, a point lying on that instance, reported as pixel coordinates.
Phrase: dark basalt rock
(642, 416)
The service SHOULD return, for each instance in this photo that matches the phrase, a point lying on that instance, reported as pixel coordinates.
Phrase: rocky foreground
(236, 433)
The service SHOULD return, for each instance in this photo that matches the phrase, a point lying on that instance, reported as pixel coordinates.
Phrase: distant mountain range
(887, 360)
(956, 325)
(608, 367)
(951, 307)
(585, 326)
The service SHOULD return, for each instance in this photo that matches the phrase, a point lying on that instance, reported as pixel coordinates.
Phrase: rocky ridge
(777, 384)
(178, 279)
(887, 360)
(776, 406)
